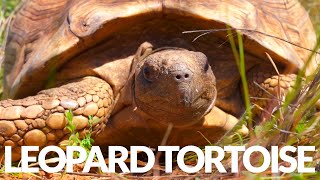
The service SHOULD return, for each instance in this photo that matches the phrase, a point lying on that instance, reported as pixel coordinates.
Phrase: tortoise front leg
(268, 90)
(40, 121)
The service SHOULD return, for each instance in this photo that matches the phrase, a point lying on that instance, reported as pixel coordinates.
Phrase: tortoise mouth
(178, 116)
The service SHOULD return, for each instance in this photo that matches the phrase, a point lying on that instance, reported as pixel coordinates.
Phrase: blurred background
(313, 7)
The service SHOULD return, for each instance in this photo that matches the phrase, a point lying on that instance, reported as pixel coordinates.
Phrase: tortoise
(129, 66)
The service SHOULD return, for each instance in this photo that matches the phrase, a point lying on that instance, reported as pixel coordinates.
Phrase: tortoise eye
(146, 71)
(149, 74)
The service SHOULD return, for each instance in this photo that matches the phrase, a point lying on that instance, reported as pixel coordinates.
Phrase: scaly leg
(40, 121)
(268, 90)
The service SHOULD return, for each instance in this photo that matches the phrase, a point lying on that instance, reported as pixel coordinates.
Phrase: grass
(240, 61)
(74, 138)
(289, 126)
(6, 9)
(294, 123)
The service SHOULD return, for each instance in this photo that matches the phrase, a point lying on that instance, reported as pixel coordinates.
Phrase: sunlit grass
(240, 61)
(295, 124)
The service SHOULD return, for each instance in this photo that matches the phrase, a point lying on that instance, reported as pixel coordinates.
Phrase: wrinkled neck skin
(171, 85)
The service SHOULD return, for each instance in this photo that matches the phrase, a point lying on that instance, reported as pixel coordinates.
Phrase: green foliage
(7, 7)
(240, 61)
(87, 141)
(74, 138)
(294, 123)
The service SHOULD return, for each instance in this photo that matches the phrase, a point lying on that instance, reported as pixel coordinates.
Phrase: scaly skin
(39, 120)
(272, 90)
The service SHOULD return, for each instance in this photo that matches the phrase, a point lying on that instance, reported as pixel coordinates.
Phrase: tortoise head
(175, 85)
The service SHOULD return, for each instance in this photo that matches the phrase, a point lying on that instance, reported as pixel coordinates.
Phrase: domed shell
(46, 34)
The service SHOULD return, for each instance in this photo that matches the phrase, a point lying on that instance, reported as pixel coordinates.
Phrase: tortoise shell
(46, 35)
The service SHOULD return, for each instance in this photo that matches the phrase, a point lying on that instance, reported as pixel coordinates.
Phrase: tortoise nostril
(206, 67)
(181, 77)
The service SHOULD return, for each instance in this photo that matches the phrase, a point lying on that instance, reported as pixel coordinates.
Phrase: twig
(204, 32)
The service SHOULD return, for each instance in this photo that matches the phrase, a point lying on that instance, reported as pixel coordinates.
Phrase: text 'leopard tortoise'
(128, 64)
